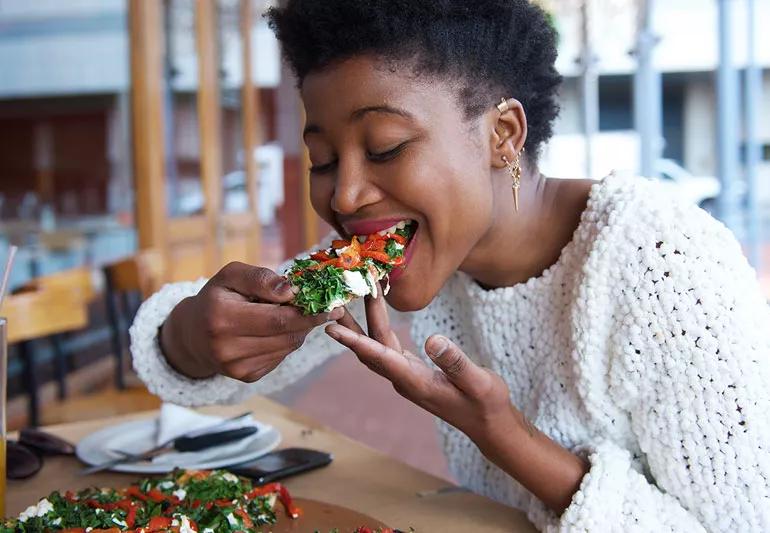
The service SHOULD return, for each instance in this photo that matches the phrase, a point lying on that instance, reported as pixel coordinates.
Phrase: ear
(508, 132)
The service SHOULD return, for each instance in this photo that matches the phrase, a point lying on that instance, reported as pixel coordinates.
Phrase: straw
(7, 274)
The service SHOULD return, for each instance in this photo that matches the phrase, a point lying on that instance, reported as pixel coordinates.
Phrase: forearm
(549, 471)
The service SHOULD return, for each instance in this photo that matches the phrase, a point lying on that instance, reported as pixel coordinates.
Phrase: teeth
(392, 229)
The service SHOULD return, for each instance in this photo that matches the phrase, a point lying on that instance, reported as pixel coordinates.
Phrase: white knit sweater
(645, 347)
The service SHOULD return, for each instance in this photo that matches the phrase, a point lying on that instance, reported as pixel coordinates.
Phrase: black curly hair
(494, 48)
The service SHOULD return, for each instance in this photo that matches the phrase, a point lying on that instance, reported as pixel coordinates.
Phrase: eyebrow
(358, 114)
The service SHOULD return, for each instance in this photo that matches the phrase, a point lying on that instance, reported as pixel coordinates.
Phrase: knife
(197, 440)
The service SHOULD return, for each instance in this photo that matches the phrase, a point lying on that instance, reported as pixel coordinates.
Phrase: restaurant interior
(144, 142)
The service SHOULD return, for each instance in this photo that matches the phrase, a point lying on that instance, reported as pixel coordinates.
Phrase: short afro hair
(494, 48)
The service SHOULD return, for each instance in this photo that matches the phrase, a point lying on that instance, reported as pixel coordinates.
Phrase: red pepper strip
(74, 530)
(196, 504)
(346, 262)
(158, 497)
(159, 522)
(246, 518)
(136, 492)
(223, 502)
(382, 257)
(400, 239)
(397, 261)
(131, 517)
(355, 245)
(283, 495)
(374, 245)
(338, 243)
(320, 256)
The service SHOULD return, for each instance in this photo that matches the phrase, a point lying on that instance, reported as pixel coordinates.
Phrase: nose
(352, 189)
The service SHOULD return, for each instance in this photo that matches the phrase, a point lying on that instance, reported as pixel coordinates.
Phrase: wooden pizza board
(322, 517)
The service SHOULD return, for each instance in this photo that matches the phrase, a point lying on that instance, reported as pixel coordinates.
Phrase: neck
(521, 245)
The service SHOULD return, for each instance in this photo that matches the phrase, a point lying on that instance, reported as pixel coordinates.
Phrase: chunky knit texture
(644, 348)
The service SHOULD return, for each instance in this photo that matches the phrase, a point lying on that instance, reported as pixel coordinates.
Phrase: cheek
(321, 191)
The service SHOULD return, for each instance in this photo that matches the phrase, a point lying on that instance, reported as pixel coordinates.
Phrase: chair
(133, 278)
(37, 314)
(80, 280)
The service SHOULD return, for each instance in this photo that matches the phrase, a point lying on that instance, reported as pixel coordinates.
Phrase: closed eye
(388, 155)
(321, 169)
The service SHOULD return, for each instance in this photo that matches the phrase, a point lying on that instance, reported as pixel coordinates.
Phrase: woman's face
(388, 146)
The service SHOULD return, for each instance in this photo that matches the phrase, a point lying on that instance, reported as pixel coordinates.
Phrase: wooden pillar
(252, 137)
(209, 113)
(309, 216)
(146, 34)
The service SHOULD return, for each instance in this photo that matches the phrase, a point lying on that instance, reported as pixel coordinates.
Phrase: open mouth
(351, 268)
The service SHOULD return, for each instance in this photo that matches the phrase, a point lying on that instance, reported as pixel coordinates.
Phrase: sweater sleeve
(171, 386)
(690, 366)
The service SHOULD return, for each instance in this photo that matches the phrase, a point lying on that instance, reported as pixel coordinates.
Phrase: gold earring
(514, 169)
(503, 106)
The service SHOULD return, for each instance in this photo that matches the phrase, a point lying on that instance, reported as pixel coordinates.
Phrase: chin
(404, 297)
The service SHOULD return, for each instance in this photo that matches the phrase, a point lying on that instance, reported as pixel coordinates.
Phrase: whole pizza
(182, 502)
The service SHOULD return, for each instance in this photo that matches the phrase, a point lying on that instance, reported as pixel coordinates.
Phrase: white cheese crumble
(185, 527)
(120, 523)
(230, 477)
(334, 304)
(42, 508)
(180, 493)
(372, 284)
(356, 283)
(271, 500)
(165, 485)
(231, 519)
(398, 246)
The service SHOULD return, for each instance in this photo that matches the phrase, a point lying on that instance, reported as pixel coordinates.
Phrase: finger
(459, 369)
(378, 321)
(390, 364)
(350, 322)
(267, 320)
(229, 350)
(253, 368)
(256, 283)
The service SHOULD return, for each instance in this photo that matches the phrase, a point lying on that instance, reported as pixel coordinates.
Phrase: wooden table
(359, 478)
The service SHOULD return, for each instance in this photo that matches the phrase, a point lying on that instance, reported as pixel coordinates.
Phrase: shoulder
(648, 227)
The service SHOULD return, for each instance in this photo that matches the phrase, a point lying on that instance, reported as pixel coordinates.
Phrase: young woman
(597, 354)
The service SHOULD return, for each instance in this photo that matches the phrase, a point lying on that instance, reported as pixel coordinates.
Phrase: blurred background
(147, 141)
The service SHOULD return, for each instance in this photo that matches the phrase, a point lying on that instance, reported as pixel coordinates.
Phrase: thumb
(460, 370)
(259, 283)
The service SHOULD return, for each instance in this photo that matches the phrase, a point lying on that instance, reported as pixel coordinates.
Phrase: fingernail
(333, 333)
(336, 314)
(437, 347)
(282, 286)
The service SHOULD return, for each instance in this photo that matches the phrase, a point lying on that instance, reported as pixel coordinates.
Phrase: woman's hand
(236, 326)
(471, 398)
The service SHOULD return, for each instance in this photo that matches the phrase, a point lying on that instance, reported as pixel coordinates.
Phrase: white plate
(140, 435)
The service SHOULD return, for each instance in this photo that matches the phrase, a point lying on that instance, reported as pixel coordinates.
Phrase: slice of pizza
(331, 278)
